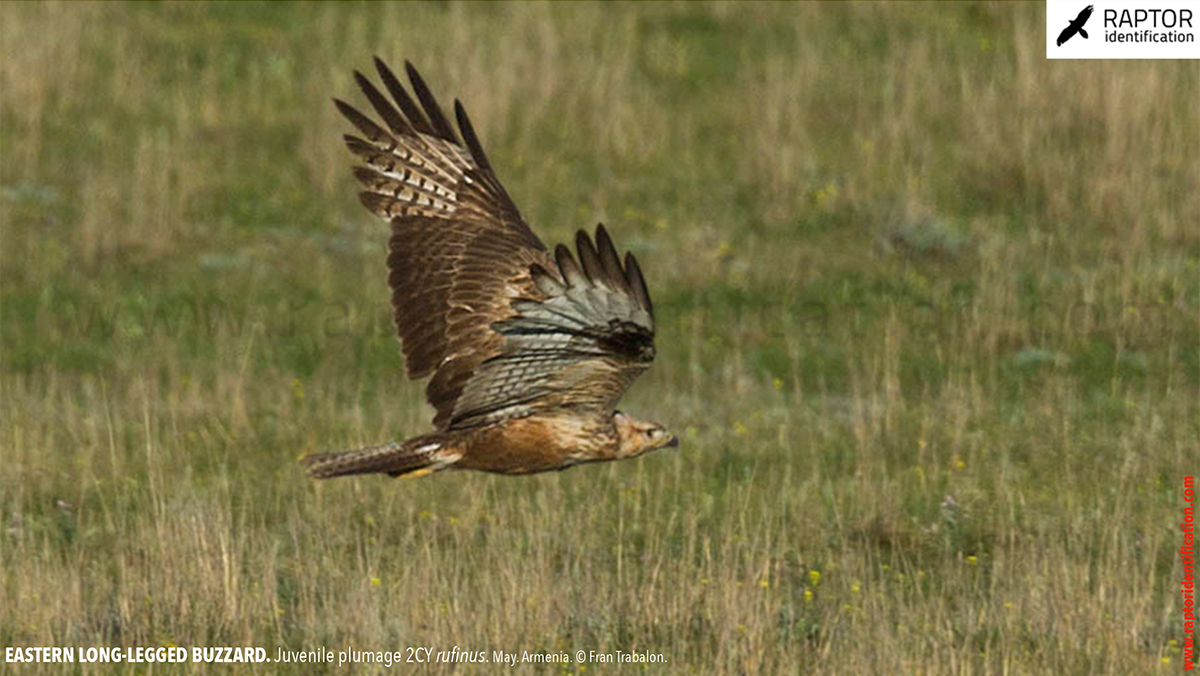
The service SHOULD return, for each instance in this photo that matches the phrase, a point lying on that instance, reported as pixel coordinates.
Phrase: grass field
(927, 328)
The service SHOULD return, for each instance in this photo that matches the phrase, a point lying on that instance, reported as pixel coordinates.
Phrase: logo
(1122, 29)
(1076, 26)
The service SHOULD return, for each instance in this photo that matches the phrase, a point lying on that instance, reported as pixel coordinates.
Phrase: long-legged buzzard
(529, 351)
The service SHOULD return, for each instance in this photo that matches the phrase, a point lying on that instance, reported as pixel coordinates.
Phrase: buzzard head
(635, 437)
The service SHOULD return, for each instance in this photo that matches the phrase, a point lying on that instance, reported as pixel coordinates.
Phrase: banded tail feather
(417, 456)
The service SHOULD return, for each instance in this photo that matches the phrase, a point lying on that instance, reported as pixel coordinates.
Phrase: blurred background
(928, 331)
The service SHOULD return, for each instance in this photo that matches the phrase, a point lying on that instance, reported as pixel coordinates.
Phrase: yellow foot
(416, 473)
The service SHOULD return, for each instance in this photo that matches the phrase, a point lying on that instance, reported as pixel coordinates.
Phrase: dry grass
(899, 256)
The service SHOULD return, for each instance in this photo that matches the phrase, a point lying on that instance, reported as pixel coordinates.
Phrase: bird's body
(520, 446)
(529, 351)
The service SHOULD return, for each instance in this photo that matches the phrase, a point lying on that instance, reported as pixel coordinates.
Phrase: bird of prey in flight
(1075, 26)
(529, 350)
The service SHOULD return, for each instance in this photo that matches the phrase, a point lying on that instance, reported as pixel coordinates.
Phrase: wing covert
(580, 345)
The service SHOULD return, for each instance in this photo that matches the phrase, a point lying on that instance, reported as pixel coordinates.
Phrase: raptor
(528, 350)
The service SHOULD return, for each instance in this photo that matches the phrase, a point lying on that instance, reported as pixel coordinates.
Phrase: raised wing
(459, 253)
(578, 346)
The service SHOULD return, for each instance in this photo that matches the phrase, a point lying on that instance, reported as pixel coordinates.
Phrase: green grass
(897, 256)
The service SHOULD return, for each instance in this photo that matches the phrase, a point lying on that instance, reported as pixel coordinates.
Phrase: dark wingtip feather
(358, 146)
(549, 283)
(637, 283)
(376, 203)
(434, 111)
(364, 124)
(411, 110)
(344, 108)
(609, 258)
(468, 132)
(366, 175)
(562, 254)
(588, 257)
(379, 102)
(566, 264)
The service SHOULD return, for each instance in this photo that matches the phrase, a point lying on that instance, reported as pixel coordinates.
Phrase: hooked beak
(673, 443)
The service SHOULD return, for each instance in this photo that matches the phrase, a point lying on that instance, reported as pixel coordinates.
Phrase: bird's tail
(416, 457)
(1083, 33)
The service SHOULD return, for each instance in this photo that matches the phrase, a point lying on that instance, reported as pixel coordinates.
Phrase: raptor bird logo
(529, 350)
(1076, 26)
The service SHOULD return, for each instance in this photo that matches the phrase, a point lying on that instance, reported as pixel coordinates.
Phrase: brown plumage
(529, 350)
